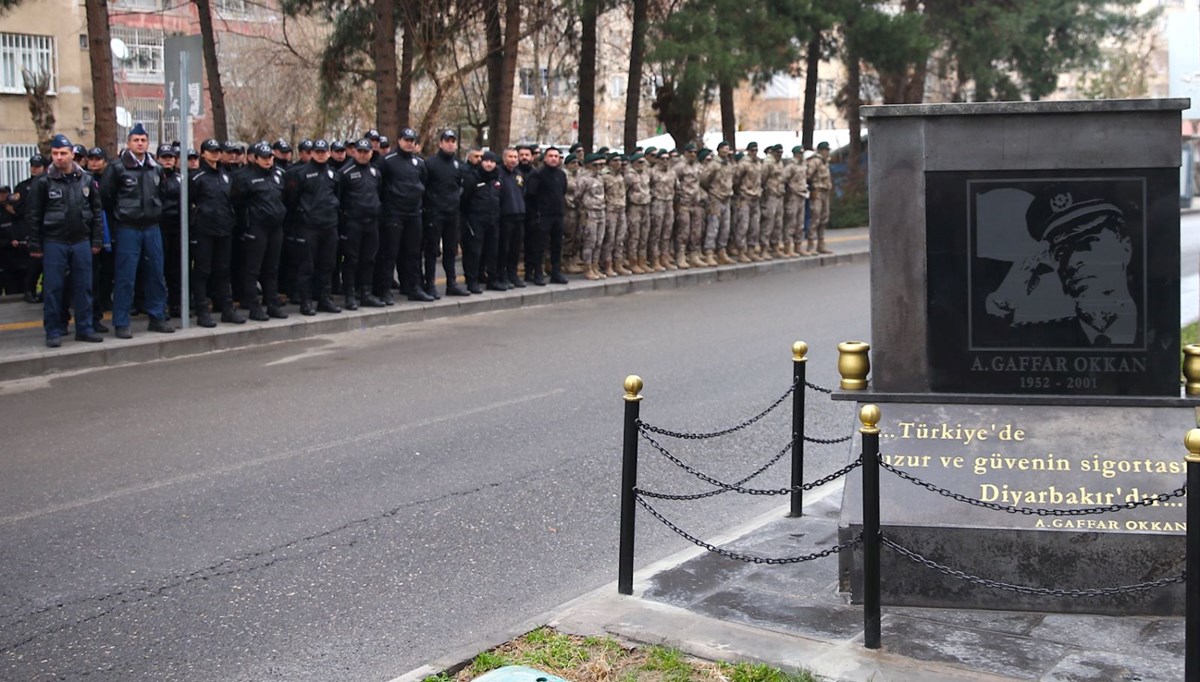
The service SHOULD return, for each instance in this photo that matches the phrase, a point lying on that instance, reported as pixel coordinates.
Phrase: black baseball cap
(262, 150)
(373, 135)
(306, 145)
(231, 147)
(449, 134)
(210, 145)
(37, 160)
(384, 141)
(338, 146)
(167, 150)
(282, 145)
(408, 134)
(363, 145)
(192, 154)
(78, 150)
(96, 153)
(320, 145)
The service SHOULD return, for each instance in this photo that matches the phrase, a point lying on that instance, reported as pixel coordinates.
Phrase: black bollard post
(799, 362)
(1191, 636)
(869, 416)
(633, 402)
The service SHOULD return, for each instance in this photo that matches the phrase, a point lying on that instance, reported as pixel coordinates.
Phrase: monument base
(1033, 457)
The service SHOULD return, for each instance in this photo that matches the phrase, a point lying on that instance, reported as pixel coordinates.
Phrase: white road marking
(268, 459)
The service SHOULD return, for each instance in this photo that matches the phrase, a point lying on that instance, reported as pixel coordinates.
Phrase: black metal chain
(820, 389)
(723, 432)
(718, 491)
(749, 558)
(737, 487)
(724, 489)
(827, 441)
(1028, 511)
(1025, 589)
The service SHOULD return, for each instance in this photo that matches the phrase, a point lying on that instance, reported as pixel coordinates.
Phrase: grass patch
(604, 659)
(1189, 334)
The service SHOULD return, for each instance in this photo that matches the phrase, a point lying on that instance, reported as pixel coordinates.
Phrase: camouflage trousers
(571, 235)
(592, 229)
(746, 231)
(689, 228)
(613, 250)
(637, 217)
(793, 219)
(716, 231)
(820, 214)
(772, 220)
(662, 217)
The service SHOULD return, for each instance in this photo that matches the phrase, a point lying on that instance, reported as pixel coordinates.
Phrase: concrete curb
(145, 346)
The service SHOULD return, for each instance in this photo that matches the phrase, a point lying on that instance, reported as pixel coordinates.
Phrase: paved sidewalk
(793, 617)
(23, 352)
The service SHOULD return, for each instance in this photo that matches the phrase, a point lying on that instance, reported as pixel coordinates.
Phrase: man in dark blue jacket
(402, 189)
(130, 193)
(63, 213)
(512, 217)
(546, 196)
(311, 192)
(443, 193)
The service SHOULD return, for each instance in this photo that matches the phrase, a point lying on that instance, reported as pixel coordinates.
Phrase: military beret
(689, 147)
(739, 156)
(262, 150)
(650, 150)
(662, 154)
(363, 145)
(797, 150)
(306, 145)
(575, 147)
(823, 145)
(752, 145)
(321, 145)
(571, 159)
(167, 150)
(602, 150)
(704, 154)
(637, 156)
(723, 143)
(593, 158)
(338, 146)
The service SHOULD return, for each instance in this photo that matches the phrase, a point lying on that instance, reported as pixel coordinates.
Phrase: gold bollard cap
(1192, 442)
(1191, 369)
(633, 388)
(799, 351)
(854, 364)
(869, 415)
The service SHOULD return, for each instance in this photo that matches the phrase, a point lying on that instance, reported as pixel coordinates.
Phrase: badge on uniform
(414, 160)
(225, 178)
(330, 172)
(456, 164)
(57, 193)
(87, 191)
(276, 179)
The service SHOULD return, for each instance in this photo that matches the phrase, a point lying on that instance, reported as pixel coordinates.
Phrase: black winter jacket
(129, 191)
(211, 200)
(402, 184)
(481, 194)
(443, 190)
(360, 192)
(64, 207)
(311, 192)
(512, 191)
(547, 191)
(258, 197)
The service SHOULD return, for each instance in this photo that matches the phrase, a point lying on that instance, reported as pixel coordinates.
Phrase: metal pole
(1191, 637)
(799, 362)
(869, 416)
(185, 141)
(633, 402)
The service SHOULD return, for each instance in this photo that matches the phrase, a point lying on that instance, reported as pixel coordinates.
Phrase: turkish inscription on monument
(1037, 458)
(1060, 282)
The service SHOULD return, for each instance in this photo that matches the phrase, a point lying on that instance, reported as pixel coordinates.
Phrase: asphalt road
(348, 507)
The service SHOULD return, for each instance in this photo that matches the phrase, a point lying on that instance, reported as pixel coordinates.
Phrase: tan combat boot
(781, 251)
(621, 269)
(639, 266)
(821, 247)
(744, 257)
(606, 269)
(681, 260)
(710, 258)
(667, 262)
(696, 260)
(812, 248)
(658, 265)
(723, 258)
(755, 254)
(591, 273)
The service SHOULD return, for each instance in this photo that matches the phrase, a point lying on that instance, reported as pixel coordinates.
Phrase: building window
(148, 111)
(777, 120)
(144, 5)
(541, 82)
(14, 162)
(19, 51)
(144, 61)
(233, 7)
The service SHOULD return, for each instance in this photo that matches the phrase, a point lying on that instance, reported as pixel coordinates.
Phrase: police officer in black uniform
(168, 192)
(258, 200)
(33, 271)
(311, 193)
(443, 194)
(360, 206)
(481, 204)
(402, 189)
(283, 154)
(545, 196)
(210, 229)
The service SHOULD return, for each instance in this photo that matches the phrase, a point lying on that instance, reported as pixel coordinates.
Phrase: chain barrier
(819, 389)
(749, 558)
(717, 491)
(723, 432)
(827, 441)
(1025, 589)
(1028, 511)
(737, 487)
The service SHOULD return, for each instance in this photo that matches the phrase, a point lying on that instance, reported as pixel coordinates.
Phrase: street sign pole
(185, 142)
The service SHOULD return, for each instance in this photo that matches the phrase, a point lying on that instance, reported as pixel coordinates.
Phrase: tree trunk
(502, 129)
(728, 116)
(812, 63)
(588, 17)
(408, 51)
(677, 113)
(495, 64)
(853, 100)
(41, 109)
(633, 90)
(216, 93)
(104, 92)
(387, 93)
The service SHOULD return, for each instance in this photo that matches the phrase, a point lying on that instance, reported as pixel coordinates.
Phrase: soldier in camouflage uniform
(613, 252)
(796, 183)
(774, 188)
(589, 196)
(571, 231)
(717, 183)
(690, 217)
(747, 190)
(820, 186)
(637, 192)
(662, 212)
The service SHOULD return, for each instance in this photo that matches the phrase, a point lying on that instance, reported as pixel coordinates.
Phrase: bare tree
(216, 92)
(104, 93)
(37, 85)
(589, 16)
(637, 54)
(387, 92)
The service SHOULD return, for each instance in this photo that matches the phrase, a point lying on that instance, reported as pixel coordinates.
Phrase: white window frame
(14, 162)
(145, 47)
(31, 51)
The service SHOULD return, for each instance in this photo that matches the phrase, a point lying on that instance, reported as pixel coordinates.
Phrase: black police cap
(167, 150)
(320, 145)
(262, 150)
(338, 146)
(306, 145)
(37, 160)
(363, 145)
(384, 141)
(210, 145)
